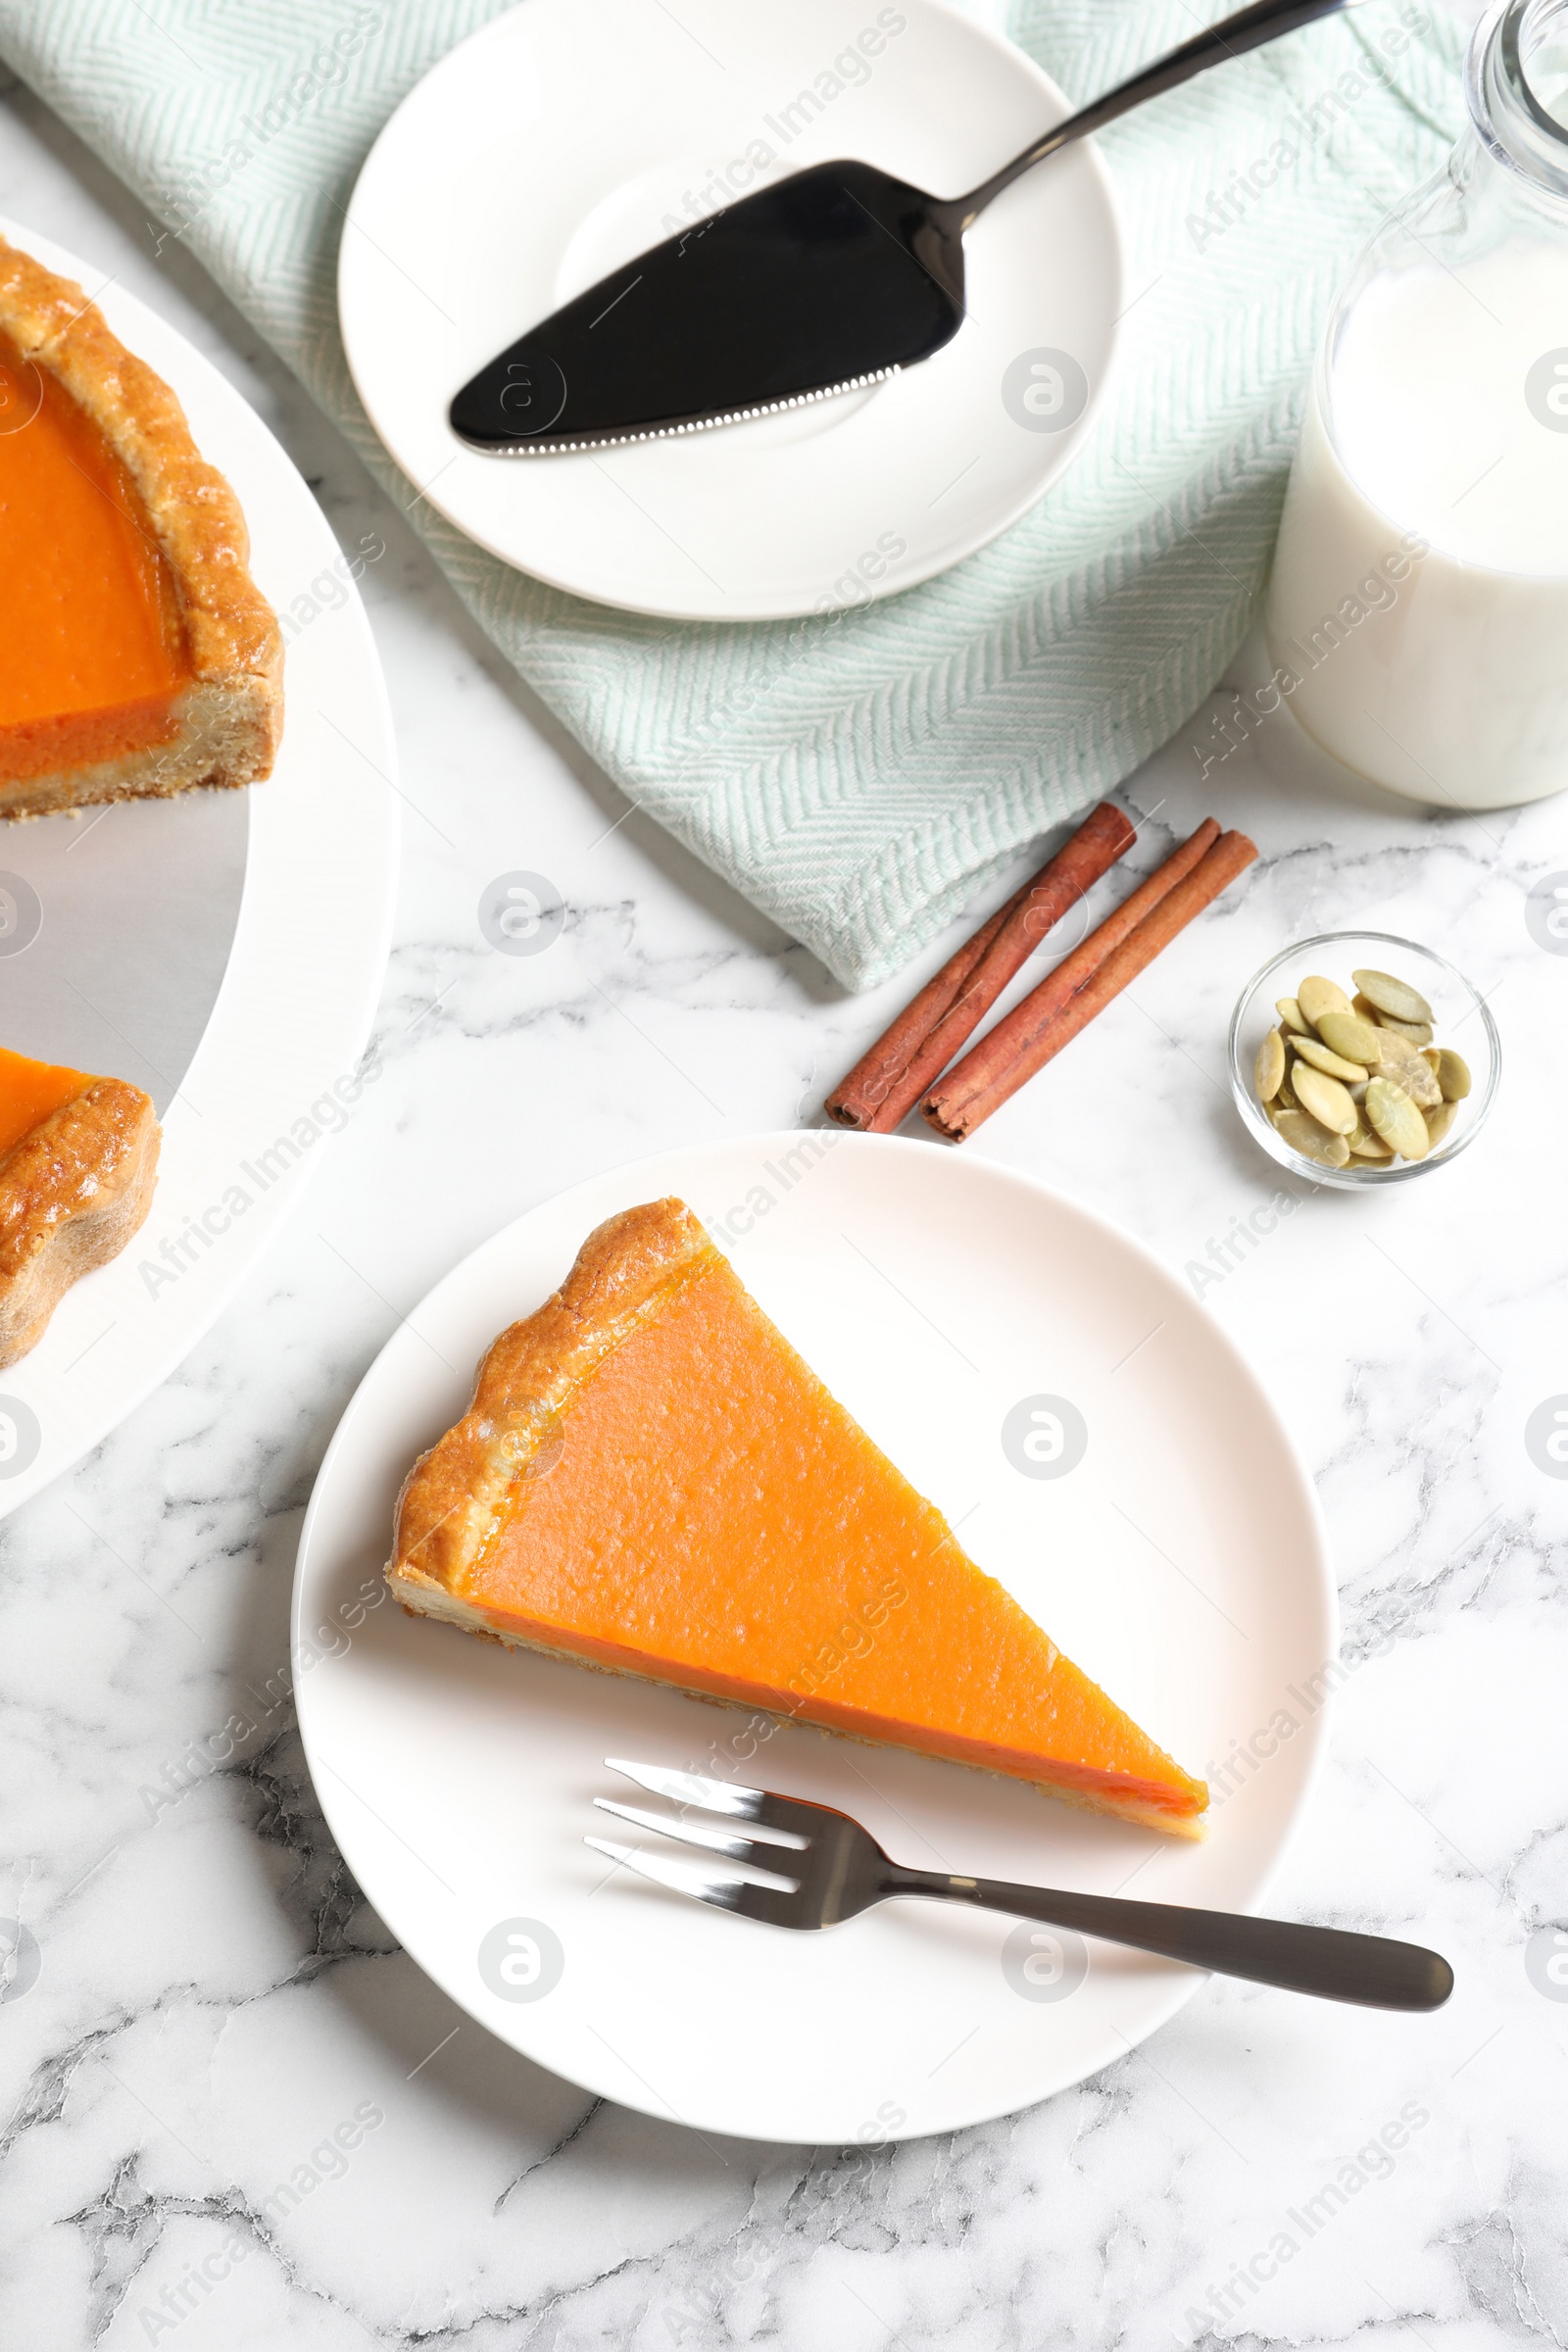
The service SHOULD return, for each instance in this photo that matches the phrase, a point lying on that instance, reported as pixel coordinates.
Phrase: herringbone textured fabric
(856, 776)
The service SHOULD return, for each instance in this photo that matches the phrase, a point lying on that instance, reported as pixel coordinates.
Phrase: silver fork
(821, 1867)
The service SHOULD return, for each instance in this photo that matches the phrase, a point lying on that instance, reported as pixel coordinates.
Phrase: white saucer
(1181, 1561)
(224, 951)
(569, 135)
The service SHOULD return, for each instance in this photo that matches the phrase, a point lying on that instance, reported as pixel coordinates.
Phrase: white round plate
(1181, 1562)
(569, 135)
(223, 950)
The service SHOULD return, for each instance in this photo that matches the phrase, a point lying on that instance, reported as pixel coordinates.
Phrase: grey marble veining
(233, 2114)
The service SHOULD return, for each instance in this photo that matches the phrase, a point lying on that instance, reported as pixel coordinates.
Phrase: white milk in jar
(1420, 588)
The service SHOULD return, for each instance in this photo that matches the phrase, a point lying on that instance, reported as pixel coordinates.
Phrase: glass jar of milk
(1420, 588)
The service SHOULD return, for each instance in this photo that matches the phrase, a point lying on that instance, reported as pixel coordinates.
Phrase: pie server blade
(835, 277)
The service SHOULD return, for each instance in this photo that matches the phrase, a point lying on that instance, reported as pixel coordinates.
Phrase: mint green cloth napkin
(857, 781)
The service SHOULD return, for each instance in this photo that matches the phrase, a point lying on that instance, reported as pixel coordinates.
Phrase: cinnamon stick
(1109, 960)
(1012, 1034)
(856, 1099)
(888, 1081)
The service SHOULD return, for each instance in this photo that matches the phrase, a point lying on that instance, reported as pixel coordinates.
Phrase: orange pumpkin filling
(695, 1507)
(92, 647)
(29, 1091)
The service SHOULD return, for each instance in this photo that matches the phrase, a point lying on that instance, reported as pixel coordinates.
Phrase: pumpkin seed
(1415, 1033)
(1450, 1071)
(1325, 1098)
(1356, 1040)
(1322, 1059)
(1305, 1136)
(1395, 1118)
(1366, 1144)
(1317, 996)
(1269, 1067)
(1292, 1015)
(1419, 1033)
(1395, 997)
(1438, 1121)
(1408, 1068)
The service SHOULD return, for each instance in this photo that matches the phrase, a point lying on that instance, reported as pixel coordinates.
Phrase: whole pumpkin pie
(137, 654)
(78, 1159)
(649, 1479)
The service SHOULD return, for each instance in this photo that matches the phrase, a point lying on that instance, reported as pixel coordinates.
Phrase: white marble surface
(214, 1998)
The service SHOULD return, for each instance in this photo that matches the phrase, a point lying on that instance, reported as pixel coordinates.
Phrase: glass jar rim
(1512, 124)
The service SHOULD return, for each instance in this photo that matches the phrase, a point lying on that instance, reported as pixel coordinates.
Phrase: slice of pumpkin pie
(137, 656)
(651, 1481)
(78, 1159)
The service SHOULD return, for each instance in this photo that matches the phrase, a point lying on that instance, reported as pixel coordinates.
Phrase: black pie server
(836, 276)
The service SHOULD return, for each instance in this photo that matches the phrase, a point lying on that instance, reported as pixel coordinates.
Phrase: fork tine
(778, 1906)
(753, 1851)
(698, 1832)
(689, 1788)
(666, 1825)
(681, 1877)
(796, 1816)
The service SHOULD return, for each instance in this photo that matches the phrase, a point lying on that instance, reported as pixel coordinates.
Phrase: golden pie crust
(73, 1192)
(455, 1498)
(227, 719)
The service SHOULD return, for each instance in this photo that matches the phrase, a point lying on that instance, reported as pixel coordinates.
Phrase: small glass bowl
(1460, 1019)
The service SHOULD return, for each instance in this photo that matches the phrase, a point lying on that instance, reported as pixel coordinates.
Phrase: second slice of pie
(78, 1160)
(651, 1480)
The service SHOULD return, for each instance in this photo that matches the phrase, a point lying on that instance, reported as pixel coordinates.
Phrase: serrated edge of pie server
(669, 432)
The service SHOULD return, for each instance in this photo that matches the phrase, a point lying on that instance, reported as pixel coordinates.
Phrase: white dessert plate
(223, 950)
(1180, 1560)
(569, 135)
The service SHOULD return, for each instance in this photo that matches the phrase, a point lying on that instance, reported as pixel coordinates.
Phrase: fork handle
(1337, 1966)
